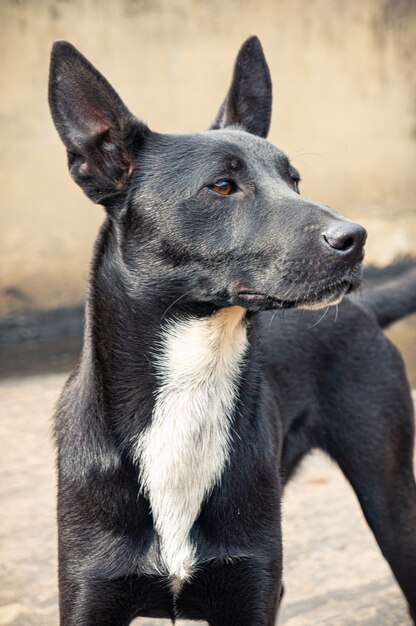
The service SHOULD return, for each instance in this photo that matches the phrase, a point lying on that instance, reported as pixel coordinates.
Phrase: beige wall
(344, 77)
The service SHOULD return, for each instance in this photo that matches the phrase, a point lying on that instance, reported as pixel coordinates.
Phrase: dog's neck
(182, 454)
(170, 385)
(127, 319)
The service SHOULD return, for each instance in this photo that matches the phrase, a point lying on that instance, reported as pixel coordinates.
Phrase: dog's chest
(183, 452)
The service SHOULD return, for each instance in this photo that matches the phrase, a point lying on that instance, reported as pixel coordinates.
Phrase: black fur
(393, 301)
(173, 247)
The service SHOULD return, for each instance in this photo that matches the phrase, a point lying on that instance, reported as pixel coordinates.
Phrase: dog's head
(217, 214)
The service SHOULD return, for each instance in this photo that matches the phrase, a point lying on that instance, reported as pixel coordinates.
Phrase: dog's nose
(347, 240)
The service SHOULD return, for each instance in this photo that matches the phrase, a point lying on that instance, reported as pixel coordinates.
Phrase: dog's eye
(296, 184)
(295, 176)
(224, 187)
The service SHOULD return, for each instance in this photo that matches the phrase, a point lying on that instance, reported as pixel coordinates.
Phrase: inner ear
(248, 102)
(99, 132)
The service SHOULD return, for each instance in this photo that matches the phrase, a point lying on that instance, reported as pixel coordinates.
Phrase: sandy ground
(334, 572)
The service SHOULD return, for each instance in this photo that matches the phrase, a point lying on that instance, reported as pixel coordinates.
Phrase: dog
(194, 401)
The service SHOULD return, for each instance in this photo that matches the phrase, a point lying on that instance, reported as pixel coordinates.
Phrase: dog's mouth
(326, 296)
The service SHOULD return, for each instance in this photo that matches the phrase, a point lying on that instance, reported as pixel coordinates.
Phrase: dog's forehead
(250, 146)
(217, 147)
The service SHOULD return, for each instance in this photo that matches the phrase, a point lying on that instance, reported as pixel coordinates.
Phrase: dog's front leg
(241, 592)
(89, 602)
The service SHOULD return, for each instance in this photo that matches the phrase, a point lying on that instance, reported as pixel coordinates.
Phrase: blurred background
(344, 111)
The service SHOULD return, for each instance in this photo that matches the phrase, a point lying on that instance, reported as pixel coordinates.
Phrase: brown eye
(294, 175)
(224, 187)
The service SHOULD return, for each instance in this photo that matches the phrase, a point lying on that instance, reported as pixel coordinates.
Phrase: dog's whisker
(173, 304)
(320, 319)
(272, 318)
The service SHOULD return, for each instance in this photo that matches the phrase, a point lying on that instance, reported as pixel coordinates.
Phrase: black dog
(188, 409)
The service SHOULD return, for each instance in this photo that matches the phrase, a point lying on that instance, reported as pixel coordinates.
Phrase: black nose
(347, 240)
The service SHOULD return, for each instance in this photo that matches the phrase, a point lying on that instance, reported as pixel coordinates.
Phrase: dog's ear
(100, 134)
(249, 99)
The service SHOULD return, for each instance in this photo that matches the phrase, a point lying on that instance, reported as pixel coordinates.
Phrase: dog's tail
(392, 301)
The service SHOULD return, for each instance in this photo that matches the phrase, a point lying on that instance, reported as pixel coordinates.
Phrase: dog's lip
(266, 300)
(257, 300)
(253, 296)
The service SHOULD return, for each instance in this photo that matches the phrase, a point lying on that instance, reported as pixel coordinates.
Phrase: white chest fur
(183, 452)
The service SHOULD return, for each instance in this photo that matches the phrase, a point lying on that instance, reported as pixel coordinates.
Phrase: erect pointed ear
(100, 134)
(249, 99)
